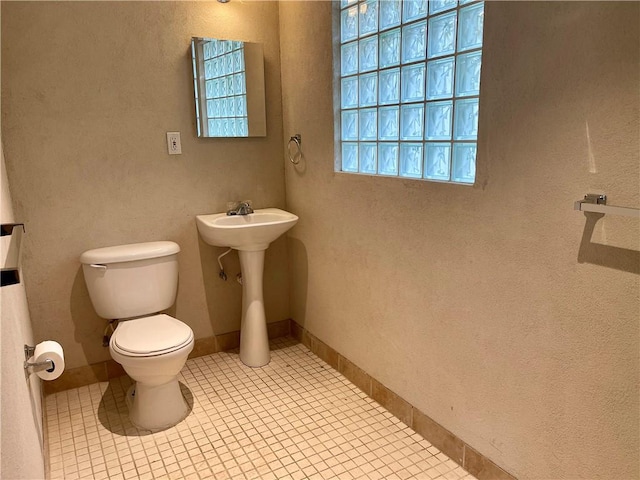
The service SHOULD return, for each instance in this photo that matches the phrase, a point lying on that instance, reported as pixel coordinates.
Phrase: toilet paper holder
(47, 365)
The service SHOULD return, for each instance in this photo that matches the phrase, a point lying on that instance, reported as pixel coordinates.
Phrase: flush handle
(97, 265)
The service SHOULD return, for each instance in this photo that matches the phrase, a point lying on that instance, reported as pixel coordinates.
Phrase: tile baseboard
(104, 371)
(448, 443)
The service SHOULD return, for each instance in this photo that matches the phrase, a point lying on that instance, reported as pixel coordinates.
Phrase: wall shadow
(622, 259)
(113, 412)
(224, 298)
(36, 399)
(299, 280)
(88, 326)
(293, 155)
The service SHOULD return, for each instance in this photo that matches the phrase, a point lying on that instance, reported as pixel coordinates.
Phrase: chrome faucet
(242, 208)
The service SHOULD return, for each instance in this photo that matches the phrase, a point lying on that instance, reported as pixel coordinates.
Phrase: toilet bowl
(153, 350)
(133, 283)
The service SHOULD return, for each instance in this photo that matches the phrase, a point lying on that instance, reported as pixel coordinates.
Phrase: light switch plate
(173, 143)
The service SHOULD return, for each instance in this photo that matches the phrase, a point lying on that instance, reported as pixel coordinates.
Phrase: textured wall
(503, 314)
(89, 90)
(20, 398)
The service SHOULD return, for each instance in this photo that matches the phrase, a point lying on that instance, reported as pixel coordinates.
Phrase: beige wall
(21, 437)
(89, 90)
(493, 309)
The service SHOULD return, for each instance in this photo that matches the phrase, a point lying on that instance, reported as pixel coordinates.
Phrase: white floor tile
(294, 418)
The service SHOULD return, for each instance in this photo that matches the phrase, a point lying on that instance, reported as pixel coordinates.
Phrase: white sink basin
(251, 232)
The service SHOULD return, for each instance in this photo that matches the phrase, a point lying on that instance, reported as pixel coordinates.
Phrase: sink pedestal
(254, 341)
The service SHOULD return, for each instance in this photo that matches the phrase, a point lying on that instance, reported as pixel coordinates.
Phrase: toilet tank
(131, 280)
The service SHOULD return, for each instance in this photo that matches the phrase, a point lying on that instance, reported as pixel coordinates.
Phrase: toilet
(133, 283)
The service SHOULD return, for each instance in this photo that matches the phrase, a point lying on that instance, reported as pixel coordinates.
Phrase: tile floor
(296, 418)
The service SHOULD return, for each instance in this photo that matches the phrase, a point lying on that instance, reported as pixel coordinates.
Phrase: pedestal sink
(251, 235)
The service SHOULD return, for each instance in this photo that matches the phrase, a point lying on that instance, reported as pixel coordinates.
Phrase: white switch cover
(173, 143)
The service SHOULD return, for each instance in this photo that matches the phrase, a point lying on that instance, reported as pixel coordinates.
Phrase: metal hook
(297, 140)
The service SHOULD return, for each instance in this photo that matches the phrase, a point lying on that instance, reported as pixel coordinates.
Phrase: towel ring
(297, 141)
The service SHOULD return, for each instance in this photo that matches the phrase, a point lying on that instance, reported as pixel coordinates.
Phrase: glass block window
(225, 105)
(409, 80)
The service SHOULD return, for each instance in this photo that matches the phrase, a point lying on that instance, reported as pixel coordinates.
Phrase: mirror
(228, 77)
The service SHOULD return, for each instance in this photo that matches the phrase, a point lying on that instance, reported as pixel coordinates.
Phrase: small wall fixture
(224, 1)
(296, 154)
(595, 202)
(9, 271)
(34, 367)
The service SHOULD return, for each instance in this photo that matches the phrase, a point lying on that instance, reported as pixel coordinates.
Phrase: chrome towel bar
(9, 271)
(595, 202)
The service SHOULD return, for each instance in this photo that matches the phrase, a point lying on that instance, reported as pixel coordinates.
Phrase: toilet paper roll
(49, 350)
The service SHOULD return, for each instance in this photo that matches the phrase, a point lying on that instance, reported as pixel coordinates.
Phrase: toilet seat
(151, 336)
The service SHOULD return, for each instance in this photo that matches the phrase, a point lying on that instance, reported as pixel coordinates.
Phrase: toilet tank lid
(131, 252)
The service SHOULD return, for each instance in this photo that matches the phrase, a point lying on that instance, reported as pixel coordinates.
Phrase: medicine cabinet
(228, 77)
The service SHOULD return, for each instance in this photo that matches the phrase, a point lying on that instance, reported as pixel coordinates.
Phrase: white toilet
(132, 283)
